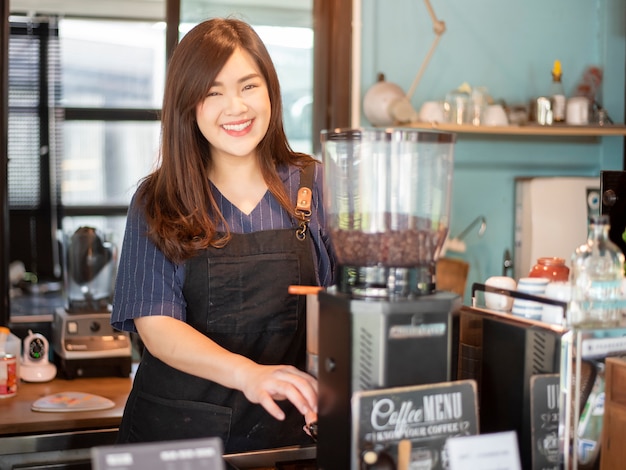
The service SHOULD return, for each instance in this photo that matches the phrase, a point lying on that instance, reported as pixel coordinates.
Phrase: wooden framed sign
(410, 425)
(544, 421)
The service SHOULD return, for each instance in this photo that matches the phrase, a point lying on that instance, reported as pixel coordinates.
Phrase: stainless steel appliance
(384, 324)
(84, 343)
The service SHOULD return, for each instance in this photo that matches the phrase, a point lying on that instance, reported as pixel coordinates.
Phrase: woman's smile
(238, 128)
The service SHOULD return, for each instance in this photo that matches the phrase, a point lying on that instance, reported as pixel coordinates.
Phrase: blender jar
(387, 198)
(91, 267)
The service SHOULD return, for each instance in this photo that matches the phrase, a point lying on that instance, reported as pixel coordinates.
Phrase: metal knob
(609, 198)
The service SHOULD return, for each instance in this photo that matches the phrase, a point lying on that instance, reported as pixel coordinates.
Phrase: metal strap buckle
(303, 211)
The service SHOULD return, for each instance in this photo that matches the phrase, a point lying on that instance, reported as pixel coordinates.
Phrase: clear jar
(552, 268)
(456, 107)
(387, 200)
(596, 276)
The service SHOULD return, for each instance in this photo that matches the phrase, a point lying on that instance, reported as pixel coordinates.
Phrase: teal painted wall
(509, 47)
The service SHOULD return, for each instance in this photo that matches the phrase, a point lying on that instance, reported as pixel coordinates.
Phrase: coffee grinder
(84, 343)
(387, 199)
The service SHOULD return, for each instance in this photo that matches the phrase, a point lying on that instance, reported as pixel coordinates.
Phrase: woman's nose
(236, 105)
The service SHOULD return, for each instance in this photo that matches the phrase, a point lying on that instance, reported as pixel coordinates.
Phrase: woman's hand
(310, 426)
(182, 347)
(267, 384)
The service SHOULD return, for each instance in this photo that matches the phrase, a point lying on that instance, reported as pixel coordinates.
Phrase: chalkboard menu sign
(544, 421)
(190, 454)
(417, 418)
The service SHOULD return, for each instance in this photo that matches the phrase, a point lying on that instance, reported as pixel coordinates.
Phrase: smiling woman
(212, 243)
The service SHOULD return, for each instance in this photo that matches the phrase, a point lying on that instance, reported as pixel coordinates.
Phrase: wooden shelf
(531, 129)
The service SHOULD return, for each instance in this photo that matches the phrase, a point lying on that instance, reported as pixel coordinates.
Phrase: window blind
(34, 142)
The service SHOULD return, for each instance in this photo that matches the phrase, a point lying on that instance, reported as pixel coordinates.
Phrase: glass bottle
(596, 278)
(456, 105)
(557, 93)
(591, 420)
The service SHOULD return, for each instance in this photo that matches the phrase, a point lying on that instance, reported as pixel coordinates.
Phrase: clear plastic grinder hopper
(387, 198)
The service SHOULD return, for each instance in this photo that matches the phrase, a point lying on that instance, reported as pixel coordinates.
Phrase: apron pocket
(159, 419)
(252, 294)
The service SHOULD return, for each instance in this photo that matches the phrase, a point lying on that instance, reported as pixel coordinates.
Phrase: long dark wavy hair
(181, 212)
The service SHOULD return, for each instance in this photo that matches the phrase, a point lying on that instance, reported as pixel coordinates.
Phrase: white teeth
(236, 127)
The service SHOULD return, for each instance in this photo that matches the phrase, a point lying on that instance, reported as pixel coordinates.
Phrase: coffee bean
(399, 248)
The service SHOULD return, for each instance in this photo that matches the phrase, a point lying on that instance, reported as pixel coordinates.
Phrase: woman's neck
(240, 181)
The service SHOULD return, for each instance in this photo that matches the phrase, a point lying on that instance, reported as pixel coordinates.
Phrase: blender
(84, 343)
(383, 324)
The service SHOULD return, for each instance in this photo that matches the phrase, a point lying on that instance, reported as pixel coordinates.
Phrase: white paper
(497, 451)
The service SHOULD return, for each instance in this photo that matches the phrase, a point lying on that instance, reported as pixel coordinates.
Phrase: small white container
(432, 111)
(528, 308)
(499, 302)
(558, 291)
(495, 115)
(577, 112)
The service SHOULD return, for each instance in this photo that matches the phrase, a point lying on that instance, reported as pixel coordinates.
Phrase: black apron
(238, 296)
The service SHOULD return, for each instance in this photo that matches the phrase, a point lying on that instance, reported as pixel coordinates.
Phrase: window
(84, 129)
(112, 74)
(291, 49)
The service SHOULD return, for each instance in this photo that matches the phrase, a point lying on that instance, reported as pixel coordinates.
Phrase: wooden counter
(17, 418)
(34, 440)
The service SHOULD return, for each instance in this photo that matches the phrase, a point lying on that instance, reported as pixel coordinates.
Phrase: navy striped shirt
(150, 284)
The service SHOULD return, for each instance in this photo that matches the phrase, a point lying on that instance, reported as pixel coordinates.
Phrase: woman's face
(235, 114)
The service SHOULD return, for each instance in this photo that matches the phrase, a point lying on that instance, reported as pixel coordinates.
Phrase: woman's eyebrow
(241, 80)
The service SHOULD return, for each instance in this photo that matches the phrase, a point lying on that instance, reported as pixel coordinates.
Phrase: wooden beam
(332, 59)
(5, 310)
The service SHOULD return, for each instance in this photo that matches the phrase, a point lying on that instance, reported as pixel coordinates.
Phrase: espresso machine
(84, 343)
(383, 324)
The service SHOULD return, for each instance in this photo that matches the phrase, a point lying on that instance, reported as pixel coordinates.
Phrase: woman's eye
(249, 86)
